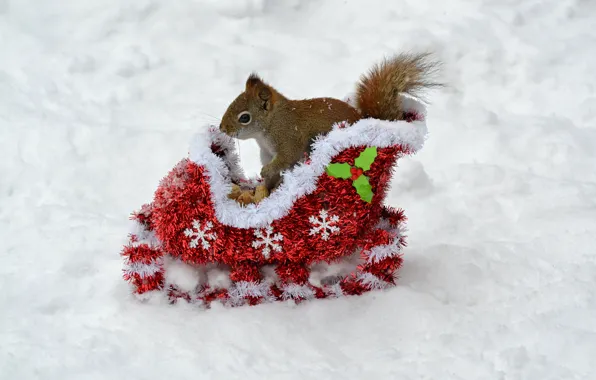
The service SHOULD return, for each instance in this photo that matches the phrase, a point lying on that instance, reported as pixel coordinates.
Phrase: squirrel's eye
(244, 117)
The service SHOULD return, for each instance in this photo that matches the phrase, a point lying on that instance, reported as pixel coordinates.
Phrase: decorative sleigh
(324, 232)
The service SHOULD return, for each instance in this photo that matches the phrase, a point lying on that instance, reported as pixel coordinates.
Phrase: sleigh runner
(324, 232)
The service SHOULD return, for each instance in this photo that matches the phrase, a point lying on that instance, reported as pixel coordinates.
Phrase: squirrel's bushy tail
(378, 92)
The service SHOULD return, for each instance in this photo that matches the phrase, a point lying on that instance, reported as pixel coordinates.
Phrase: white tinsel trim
(242, 289)
(142, 236)
(383, 225)
(371, 281)
(335, 290)
(384, 251)
(295, 291)
(302, 179)
(144, 270)
(228, 147)
(392, 249)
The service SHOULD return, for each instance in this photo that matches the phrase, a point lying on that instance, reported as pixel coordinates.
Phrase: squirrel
(285, 128)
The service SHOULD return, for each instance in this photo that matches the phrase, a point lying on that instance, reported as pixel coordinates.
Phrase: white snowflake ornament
(323, 226)
(198, 234)
(266, 239)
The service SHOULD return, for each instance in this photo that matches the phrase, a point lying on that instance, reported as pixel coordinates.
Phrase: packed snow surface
(99, 99)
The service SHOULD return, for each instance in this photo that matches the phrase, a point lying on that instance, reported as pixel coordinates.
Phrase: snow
(99, 99)
(185, 277)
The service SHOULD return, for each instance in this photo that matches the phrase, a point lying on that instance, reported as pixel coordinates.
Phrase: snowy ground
(98, 100)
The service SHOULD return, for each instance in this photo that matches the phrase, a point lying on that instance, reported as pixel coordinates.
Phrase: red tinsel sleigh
(324, 232)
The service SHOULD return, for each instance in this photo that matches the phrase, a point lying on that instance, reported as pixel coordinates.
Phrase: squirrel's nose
(224, 128)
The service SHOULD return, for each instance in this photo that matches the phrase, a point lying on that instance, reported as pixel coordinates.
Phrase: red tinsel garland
(183, 224)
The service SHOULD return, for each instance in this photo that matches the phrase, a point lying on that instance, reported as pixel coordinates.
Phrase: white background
(98, 100)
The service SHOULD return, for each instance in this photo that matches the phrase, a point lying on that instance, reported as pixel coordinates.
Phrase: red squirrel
(285, 128)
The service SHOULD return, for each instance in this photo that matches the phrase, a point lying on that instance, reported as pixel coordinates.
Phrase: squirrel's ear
(255, 85)
(265, 97)
(253, 82)
(265, 93)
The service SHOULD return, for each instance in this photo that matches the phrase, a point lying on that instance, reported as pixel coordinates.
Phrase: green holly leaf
(366, 158)
(339, 170)
(363, 188)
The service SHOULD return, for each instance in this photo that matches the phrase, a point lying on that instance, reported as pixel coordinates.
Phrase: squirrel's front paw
(268, 171)
(270, 176)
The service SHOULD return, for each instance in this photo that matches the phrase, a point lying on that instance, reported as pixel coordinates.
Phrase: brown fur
(288, 126)
(378, 92)
(303, 120)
